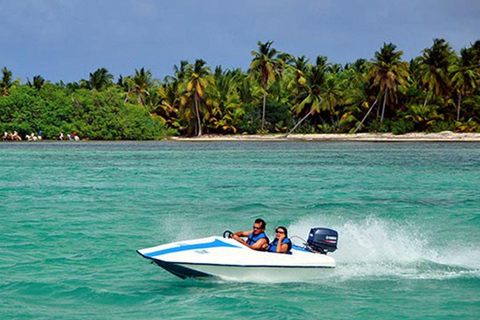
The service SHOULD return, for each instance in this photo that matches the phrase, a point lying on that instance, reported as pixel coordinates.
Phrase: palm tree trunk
(384, 103)
(426, 98)
(299, 122)
(263, 110)
(199, 123)
(458, 106)
(126, 97)
(365, 117)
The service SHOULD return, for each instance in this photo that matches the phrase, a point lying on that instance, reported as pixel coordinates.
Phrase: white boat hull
(229, 260)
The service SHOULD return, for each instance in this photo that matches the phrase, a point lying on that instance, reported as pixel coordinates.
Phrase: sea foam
(378, 248)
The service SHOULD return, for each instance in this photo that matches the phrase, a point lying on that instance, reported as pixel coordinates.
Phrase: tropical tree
(310, 94)
(265, 61)
(98, 80)
(37, 82)
(197, 79)
(181, 70)
(464, 76)
(333, 93)
(139, 85)
(334, 68)
(170, 93)
(360, 65)
(248, 90)
(299, 67)
(7, 83)
(388, 72)
(167, 102)
(433, 68)
(424, 117)
(357, 94)
(227, 110)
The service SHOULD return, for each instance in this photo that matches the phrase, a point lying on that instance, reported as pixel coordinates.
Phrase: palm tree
(139, 85)
(7, 83)
(300, 66)
(464, 77)
(227, 111)
(170, 94)
(334, 68)
(37, 83)
(433, 68)
(98, 80)
(310, 94)
(181, 70)
(475, 47)
(321, 61)
(388, 71)
(424, 117)
(360, 65)
(168, 102)
(197, 80)
(357, 94)
(265, 61)
(333, 92)
(248, 89)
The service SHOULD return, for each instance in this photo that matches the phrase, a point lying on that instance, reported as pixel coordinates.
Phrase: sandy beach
(446, 136)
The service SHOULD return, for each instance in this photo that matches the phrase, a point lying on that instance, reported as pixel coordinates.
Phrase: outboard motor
(322, 240)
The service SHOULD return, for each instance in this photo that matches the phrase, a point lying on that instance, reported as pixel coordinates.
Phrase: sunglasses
(279, 231)
(256, 228)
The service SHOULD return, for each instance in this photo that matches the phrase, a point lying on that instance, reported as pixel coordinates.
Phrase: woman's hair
(284, 230)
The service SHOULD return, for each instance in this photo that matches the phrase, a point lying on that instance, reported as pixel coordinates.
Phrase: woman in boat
(282, 243)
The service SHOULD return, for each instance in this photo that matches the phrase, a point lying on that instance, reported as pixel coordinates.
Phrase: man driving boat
(256, 238)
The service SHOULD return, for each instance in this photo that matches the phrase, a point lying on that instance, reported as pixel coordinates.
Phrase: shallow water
(73, 214)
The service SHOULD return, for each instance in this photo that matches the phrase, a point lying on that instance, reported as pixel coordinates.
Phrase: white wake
(375, 248)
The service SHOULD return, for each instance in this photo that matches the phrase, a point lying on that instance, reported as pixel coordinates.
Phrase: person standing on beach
(256, 238)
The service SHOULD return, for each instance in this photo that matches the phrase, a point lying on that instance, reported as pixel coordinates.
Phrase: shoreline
(445, 136)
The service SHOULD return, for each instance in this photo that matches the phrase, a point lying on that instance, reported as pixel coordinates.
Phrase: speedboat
(228, 259)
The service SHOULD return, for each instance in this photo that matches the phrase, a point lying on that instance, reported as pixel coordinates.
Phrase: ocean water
(73, 214)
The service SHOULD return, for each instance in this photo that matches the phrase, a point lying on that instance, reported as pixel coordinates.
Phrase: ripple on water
(72, 216)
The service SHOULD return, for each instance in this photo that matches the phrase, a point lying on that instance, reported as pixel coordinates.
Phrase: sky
(68, 39)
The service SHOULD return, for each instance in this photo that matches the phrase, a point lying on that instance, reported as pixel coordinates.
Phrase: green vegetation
(280, 93)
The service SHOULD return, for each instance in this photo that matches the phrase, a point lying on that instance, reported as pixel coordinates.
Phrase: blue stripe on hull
(215, 244)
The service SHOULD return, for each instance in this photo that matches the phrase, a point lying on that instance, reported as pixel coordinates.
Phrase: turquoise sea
(73, 214)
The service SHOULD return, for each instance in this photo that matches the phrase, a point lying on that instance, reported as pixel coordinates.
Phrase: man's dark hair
(263, 223)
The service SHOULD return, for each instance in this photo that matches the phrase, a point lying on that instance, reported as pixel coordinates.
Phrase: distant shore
(446, 136)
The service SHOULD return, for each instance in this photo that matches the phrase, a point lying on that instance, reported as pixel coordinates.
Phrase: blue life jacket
(252, 238)
(272, 247)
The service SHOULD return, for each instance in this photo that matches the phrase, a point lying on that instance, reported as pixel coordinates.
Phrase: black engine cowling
(322, 240)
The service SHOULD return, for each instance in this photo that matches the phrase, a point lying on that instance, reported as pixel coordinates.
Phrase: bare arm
(239, 234)
(259, 245)
(281, 247)
(242, 233)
